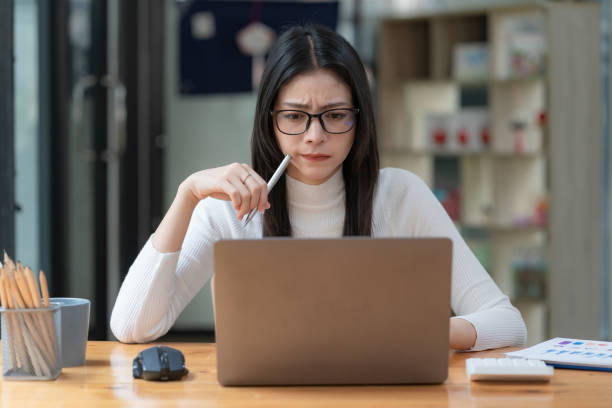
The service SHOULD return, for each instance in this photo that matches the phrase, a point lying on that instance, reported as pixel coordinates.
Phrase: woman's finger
(232, 192)
(255, 190)
(245, 196)
(259, 189)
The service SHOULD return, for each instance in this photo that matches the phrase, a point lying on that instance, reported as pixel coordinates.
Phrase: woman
(314, 103)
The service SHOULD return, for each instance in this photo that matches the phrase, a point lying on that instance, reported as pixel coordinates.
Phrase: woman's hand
(237, 183)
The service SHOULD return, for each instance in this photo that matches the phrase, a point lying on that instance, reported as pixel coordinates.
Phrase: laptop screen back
(332, 311)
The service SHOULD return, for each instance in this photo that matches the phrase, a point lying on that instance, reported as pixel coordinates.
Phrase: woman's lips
(316, 157)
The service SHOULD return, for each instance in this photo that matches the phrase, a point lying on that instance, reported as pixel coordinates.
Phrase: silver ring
(245, 179)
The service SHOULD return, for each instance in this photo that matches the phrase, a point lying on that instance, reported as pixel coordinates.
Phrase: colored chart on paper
(570, 353)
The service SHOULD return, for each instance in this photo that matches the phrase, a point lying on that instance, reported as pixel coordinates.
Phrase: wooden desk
(106, 380)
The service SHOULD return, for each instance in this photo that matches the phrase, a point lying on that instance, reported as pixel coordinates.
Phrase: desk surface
(106, 380)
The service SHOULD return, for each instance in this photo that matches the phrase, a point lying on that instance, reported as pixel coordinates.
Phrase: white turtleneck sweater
(159, 285)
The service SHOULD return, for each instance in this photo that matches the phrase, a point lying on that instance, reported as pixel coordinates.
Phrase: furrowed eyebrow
(325, 107)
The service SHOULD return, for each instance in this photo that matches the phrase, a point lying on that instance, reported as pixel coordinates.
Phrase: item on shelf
(471, 62)
(481, 247)
(451, 201)
(522, 221)
(542, 118)
(463, 131)
(467, 125)
(522, 45)
(439, 136)
(518, 135)
(474, 94)
(437, 132)
(540, 215)
(421, 99)
(464, 137)
(516, 107)
(530, 273)
(527, 53)
(485, 137)
(536, 215)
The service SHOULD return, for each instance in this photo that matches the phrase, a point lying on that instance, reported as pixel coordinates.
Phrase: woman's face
(316, 154)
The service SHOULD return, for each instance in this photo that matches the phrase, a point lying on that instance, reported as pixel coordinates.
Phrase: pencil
(17, 335)
(15, 362)
(273, 180)
(44, 287)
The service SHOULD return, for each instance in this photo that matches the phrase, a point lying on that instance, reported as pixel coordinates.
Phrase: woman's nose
(315, 132)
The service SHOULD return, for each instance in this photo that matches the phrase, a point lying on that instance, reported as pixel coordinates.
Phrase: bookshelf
(532, 208)
(479, 142)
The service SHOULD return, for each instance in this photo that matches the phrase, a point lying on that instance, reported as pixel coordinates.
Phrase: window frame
(7, 150)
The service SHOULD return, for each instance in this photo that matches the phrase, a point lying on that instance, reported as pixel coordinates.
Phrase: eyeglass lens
(333, 121)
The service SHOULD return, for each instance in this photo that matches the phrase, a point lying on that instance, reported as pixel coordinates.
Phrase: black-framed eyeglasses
(296, 122)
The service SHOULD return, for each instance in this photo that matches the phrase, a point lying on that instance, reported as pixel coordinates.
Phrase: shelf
(484, 82)
(517, 80)
(548, 112)
(527, 302)
(498, 81)
(457, 9)
(428, 153)
(499, 228)
(487, 187)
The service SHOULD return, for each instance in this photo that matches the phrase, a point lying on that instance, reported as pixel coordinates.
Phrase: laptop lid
(332, 311)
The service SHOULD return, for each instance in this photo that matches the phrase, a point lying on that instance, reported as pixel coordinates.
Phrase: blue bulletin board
(210, 60)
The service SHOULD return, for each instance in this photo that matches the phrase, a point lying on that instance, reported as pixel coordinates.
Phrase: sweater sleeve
(474, 295)
(158, 285)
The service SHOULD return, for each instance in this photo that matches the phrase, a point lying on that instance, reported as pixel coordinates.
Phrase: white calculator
(507, 369)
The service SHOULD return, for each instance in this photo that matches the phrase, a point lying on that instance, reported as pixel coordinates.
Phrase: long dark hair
(298, 50)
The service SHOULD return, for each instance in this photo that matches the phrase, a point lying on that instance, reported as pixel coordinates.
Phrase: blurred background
(502, 107)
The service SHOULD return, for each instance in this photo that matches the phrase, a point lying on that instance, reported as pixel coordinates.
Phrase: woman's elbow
(121, 330)
(523, 333)
(520, 329)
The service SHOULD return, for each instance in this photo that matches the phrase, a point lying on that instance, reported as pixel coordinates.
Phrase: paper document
(570, 353)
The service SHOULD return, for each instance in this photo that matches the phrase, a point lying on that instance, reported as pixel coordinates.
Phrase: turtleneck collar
(301, 194)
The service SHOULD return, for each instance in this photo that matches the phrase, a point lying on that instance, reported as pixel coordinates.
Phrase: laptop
(332, 311)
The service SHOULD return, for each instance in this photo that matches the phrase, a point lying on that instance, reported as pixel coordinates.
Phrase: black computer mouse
(159, 363)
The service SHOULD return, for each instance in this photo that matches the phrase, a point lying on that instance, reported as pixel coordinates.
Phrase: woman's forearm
(171, 231)
(462, 334)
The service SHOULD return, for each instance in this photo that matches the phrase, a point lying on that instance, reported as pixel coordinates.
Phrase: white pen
(277, 174)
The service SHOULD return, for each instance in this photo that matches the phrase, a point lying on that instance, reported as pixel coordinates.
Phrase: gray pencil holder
(31, 343)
